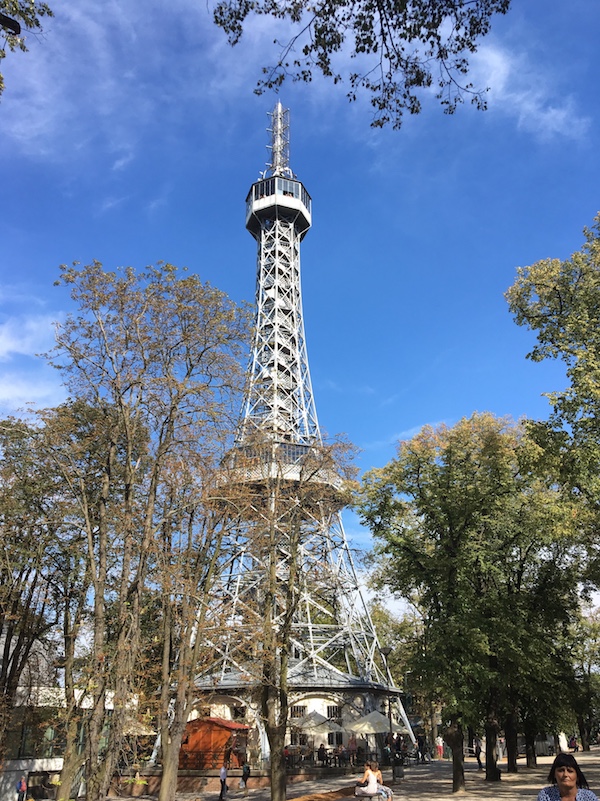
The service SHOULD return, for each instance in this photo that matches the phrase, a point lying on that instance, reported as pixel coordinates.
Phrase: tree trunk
(170, 770)
(72, 762)
(584, 733)
(453, 736)
(512, 746)
(530, 748)
(278, 774)
(492, 772)
(73, 757)
(6, 705)
(171, 742)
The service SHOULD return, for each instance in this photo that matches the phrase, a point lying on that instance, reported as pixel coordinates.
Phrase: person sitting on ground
(383, 791)
(567, 782)
(368, 784)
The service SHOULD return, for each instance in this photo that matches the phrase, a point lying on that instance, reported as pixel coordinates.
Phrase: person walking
(21, 789)
(421, 745)
(478, 752)
(245, 777)
(352, 748)
(223, 778)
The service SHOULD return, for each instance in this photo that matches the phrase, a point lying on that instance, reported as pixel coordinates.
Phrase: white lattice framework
(279, 396)
(295, 503)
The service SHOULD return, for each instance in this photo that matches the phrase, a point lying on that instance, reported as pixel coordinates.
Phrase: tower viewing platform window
(279, 186)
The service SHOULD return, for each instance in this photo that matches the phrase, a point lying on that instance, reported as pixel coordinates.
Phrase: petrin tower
(290, 586)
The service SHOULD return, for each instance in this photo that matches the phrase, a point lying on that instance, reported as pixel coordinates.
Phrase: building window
(297, 711)
(334, 711)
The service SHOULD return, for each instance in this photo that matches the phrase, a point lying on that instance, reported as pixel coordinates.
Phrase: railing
(208, 760)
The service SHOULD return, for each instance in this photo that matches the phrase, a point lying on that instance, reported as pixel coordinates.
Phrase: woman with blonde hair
(383, 791)
(368, 784)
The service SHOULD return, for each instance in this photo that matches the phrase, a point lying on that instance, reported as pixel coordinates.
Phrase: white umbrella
(373, 723)
(314, 721)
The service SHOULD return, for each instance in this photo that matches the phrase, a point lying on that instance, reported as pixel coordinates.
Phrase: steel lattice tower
(295, 499)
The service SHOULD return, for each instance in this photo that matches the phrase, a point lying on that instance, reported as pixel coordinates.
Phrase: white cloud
(352, 389)
(105, 75)
(20, 295)
(122, 162)
(112, 202)
(26, 381)
(400, 436)
(26, 335)
(20, 392)
(527, 92)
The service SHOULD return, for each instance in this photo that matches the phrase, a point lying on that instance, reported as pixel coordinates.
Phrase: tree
(282, 497)
(153, 360)
(466, 523)
(192, 544)
(31, 519)
(560, 302)
(15, 15)
(586, 701)
(400, 49)
(405, 635)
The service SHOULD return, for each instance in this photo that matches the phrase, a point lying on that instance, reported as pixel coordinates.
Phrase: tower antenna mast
(280, 143)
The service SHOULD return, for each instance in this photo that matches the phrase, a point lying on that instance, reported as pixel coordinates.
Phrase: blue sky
(131, 133)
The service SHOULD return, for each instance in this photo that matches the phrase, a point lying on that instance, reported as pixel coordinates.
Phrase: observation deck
(278, 198)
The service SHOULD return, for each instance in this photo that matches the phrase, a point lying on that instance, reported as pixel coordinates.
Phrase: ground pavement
(433, 781)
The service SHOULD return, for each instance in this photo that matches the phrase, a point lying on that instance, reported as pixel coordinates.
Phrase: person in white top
(368, 784)
(223, 777)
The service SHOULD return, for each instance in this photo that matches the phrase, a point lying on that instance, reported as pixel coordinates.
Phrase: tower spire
(280, 143)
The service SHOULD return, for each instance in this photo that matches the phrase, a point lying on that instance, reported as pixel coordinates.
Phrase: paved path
(433, 781)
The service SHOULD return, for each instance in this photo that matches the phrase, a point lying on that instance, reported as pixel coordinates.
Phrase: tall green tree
(399, 50)
(586, 655)
(405, 636)
(560, 302)
(466, 523)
